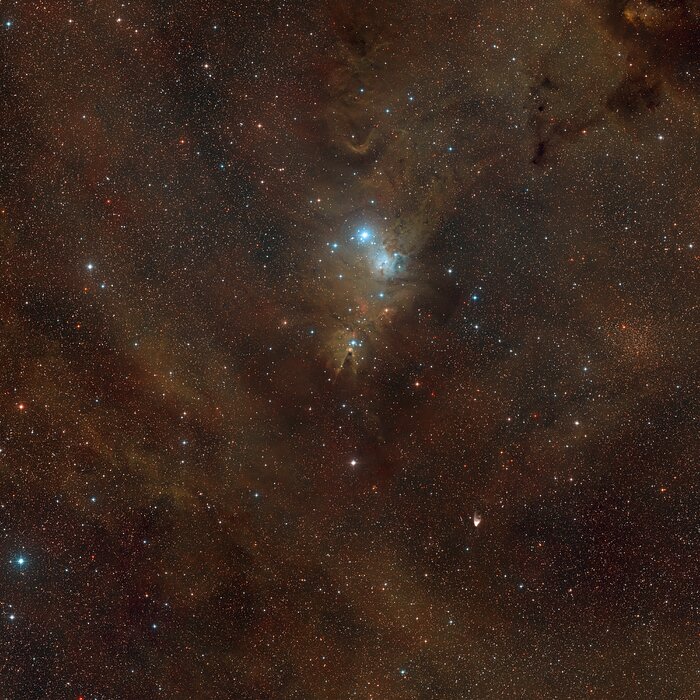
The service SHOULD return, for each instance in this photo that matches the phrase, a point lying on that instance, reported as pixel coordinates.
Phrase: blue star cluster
(349, 350)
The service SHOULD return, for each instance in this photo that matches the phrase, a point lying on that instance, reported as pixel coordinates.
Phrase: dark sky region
(349, 349)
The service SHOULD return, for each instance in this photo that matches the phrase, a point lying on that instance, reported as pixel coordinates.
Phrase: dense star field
(349, 349)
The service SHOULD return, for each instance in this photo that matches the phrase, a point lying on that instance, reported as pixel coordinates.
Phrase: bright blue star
(20, 561)
(363, 235)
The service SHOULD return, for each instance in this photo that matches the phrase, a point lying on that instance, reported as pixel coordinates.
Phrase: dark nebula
(349, 349)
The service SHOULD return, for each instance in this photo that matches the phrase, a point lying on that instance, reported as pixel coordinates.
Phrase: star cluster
(349, 350)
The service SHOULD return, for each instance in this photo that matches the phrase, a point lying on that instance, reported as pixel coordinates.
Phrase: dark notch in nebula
(661, 35)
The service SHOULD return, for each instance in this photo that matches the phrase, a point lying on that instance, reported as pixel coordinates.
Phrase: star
(337, 329)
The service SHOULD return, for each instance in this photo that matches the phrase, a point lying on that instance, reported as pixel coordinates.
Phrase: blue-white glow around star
(364, 235)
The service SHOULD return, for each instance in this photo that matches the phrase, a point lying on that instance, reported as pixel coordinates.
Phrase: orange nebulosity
(337, 361)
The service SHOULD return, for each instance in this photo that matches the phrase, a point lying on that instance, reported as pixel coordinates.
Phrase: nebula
(349, 349)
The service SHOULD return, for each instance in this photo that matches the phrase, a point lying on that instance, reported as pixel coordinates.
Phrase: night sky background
(349, 349)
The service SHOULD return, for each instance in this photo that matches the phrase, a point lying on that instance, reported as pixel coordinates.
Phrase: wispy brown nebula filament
(348, 350)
